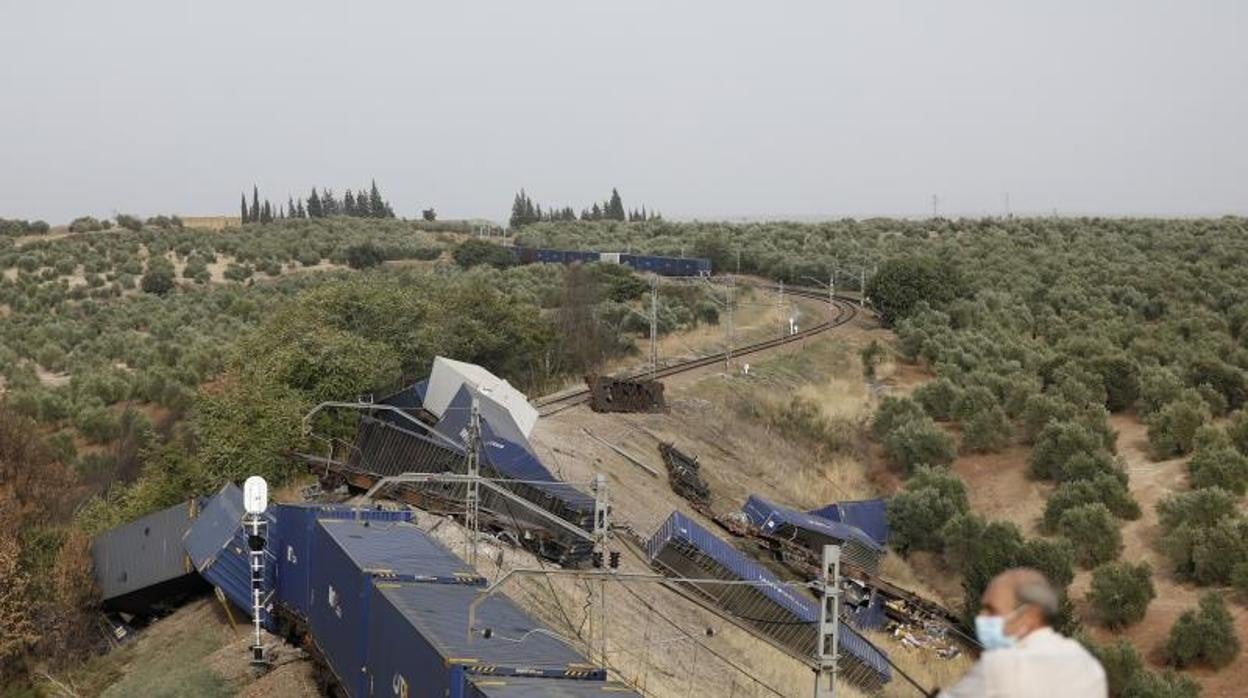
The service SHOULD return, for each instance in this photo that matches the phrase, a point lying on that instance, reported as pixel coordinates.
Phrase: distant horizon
(744, 219)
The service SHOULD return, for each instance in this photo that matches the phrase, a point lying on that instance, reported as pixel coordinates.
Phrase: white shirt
(1043, 664)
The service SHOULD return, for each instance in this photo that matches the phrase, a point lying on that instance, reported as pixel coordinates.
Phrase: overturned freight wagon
(788, 616)
(798, 533)
(218, 546)
(141, 567)
(423, 428)
(868, 515)
(608, 394)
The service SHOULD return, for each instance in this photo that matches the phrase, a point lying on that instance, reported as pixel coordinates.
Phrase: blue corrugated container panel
(526, 687)
(769, 516)
(680, 527)
(804, 609)
(418, 638)
(346, 556)
(870, 515)
(295, 524)
(217, 545)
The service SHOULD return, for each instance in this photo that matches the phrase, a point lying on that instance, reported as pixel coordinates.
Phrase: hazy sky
(700, 109)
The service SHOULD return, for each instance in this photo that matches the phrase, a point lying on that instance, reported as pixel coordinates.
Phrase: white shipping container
(448, 376)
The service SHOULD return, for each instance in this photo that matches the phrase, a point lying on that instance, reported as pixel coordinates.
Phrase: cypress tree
(329, 205)
(243, 216)
(517, 210)
(315, 210)
(290, 206)
(255, 203)
(348, 204)
(595, 214)
(299, 212)
(615, 207)
(376, 206)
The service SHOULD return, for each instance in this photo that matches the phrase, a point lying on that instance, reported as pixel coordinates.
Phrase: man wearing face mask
(1023, 656)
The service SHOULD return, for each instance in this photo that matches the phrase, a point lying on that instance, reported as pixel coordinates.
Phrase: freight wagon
(381, 604)
(786, 614)
(386, 608)
(427, 436)
(663, 266)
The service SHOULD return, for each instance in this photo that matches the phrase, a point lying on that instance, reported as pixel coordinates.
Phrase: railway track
(844, 310)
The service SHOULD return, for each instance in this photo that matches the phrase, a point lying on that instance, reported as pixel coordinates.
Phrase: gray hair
(1034, 589)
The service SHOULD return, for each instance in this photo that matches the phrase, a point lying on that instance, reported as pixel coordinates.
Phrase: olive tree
(1121, 592)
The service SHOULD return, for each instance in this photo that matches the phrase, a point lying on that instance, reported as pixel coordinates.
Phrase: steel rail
(846, 310)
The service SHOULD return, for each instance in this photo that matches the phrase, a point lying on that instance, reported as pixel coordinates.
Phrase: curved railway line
(844, 310)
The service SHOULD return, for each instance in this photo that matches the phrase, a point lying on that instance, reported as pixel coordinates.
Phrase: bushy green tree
(1057, 443)
(901, 283)
(129, 222)
(1205, 635)
(158, 281)
(1121, 592)
(1159, 386)
(931, 499)
(916, 443)
(1219, 467)
(987, 431)
(1237, 430)
(938, 398)
(364, 255)
(1121, 376)
(1129, 678)
(1094, 533)
(893, 412)
(1172, 429)
(474, 252)
(1103, 489)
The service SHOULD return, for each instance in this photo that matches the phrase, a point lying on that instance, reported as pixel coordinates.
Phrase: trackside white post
(255, 502)
(828, 643)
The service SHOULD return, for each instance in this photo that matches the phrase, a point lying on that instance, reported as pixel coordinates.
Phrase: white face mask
(990, 631)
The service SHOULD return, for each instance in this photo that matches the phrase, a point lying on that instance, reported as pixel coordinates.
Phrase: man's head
(1023, 598)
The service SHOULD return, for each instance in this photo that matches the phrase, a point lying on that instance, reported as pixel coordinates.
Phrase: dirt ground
(193, 652)
(998, 487)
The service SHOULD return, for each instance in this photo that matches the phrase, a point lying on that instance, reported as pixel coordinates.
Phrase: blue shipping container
(295, 525)
(418, 635)
(346, 557)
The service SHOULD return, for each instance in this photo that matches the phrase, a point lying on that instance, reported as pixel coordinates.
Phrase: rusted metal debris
(684, 476)
(607, 394)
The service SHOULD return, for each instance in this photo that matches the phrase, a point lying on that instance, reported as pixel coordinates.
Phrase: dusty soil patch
(999, 488)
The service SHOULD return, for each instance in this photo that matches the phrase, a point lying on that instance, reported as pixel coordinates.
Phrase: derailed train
(381, 604)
